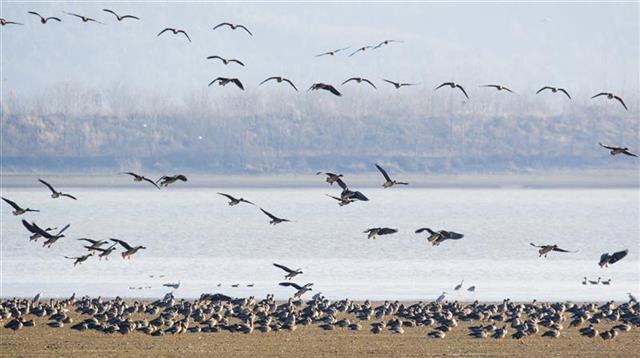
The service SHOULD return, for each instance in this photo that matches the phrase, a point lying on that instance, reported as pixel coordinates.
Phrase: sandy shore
(310, 341)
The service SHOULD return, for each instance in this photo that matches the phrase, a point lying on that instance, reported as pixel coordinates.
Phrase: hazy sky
(584, 47)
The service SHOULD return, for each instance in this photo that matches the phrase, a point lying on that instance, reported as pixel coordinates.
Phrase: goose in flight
(129, 250)
(290, 273)
(378, 231)
(612, 96)
(436, 238)
(331, 177)
(50, 238)
(120, 18)
(546, 249)
(274, 219)
(441, 297)
(223, 81)
(618, 150)
(606, 258)
(95, 244)
(363, 48)
(341, 201)
(459, 286)
(17, 210)
(453, 85)
(385, 42)
(332, 53)
(554, 90)
(166, 180)
(397, 85)
(233, 201)
(175, 32)
(324, 86)
(471, 289)
(233, 27)
(348, 194)
(279, 79)
(225, 60)
(36, 236)
(140, 178)
(359, 80)
(7, 22)
(79, 259)
(301, 289)
(498, 87)
(84, 18)
(104, 252)
(174, 285)
(54, 193)
(44, 20)
(388, 182)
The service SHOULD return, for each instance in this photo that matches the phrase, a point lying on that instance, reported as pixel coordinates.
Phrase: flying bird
(453, 85)
(7, 22)
(290, 273)
(378, 231)
(436, 238)
(79, 259)
(612, 96)
(459, 286)
(332, 53)
(618, 150)
(120, 18)
(274, 219)
(166, 180)
(224, 60)
(397, 85)
(140, 178)
(17, 210)
(388, 182)
(301, 289)
(129, 250)
(331, 177)
(50, 238)
(233, 27)
(341, 201)
(359, 80)
(363, 48)
(279, 80)
(54, 193)
(223, 81)
(95, 244)
(175, 32)
(233, 201)
(349, 195)
(44, 20)
(84, 18)
(554, 90)
(103, 252)
(606, 258)
(324, 86)
(385, 42)
(546, 249)
(498, 87)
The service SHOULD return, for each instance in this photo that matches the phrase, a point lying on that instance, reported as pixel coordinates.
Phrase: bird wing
(63, 229)
(369, 82)
(358, 195)
(48, 185)
(543, 88)
(150, 181)
(222, 24)
(494, 86)
(238, 83)
(600, 94)
(332, 89)
(608, 147)
(269, 214)
(268, 79)
(534, 245)
(350, 79)
(31, 227)
(507, 89)
(13, 204)
(237, 61)
(185, 33)
(129, 17)
(132, 174)
(181, 177)
(291, 83)
(386, 231)
(68, 196)
(124, 244)
(227, 196)
(292, 284)
(35, 13)
(210, 83)
(563, 250)
(604, 258)
(463, 91)
(564, 91)
(444, 84)
(215, 57)
(393, 83)
(163, 31)
(88, 240)
(334, 197)
(422, 229)
(626, 152)
(245, 29)
(285, 268)
(39, 230)
(454, 235)
(621, 102)
(111, 12)
(617, 256)
(342, 184)
(384, 173)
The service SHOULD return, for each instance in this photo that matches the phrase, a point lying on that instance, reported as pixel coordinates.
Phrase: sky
(584, 47)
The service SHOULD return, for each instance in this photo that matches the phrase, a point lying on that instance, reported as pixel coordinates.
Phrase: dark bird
(224, 60)
(54, 193)
(274, 219)
(279, 80)
(364, 48)
(166, 180)
(397, 85)
(453, 85)
(103, 252)
(129, 250)
(233, 201)
(349, 195)
(377, 231)
(140, 178)
(290, 273)
(301, 290)
(546, 249)
(7, 22)
(498, 87)
(84, 18)
(233, 27)
(331, 177)
(17, 210)
(618, 150)
(174, 285)
(554, 90)
(385, 42)
(175, 32)
(79, 259)
(223, 81)
(50, 239)
(359, 80)
(606, 259)
(44, 20)
(120, 18)
(324, 86)
(388, 182)
(612, 96)
(436, 238)
(332, 53)
(95, 244)
(341, 201)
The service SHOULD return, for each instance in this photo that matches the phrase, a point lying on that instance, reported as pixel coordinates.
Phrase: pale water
(194, 237)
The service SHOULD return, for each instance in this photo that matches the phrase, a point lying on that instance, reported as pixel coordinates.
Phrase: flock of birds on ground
(213, 313)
